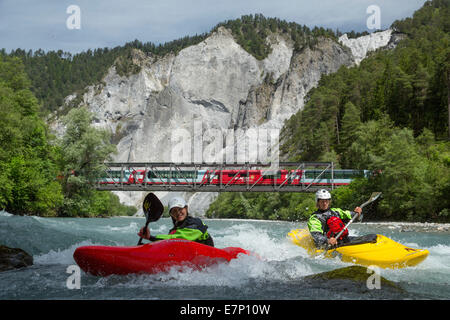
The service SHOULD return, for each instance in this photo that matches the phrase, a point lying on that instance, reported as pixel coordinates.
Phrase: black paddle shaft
(153, 209)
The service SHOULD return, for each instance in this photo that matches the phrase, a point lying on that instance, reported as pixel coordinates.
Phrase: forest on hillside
(41, 174)
(389, 114)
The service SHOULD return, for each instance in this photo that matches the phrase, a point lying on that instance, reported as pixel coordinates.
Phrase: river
(278, 274)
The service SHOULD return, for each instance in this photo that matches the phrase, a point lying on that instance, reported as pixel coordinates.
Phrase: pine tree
(350, 124)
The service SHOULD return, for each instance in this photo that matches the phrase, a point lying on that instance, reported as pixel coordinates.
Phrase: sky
(49, 25)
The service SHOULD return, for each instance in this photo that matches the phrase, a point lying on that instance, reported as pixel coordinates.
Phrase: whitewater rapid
(275, 272)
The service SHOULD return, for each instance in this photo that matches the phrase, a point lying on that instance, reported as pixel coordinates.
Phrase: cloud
(42, 24)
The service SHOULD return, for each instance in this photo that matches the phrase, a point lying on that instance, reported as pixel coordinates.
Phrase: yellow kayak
(382, 252)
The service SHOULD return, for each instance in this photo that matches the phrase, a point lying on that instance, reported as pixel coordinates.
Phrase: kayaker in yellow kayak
(184, 226)
(327, 222)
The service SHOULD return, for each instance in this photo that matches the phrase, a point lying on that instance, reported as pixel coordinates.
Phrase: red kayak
(151, 258)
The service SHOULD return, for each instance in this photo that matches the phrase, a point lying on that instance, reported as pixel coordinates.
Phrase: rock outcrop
(14, 258)
(363, 45)
(357, 279)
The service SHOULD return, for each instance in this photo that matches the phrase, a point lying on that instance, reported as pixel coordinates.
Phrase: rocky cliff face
(362, 45)
(214, 85)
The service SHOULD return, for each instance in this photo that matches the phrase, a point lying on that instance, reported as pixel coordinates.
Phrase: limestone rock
(362, 45)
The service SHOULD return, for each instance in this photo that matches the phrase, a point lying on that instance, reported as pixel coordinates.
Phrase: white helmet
(177, 202)
(323, 194)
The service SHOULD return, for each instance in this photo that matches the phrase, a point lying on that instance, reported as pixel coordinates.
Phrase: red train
(234, 177)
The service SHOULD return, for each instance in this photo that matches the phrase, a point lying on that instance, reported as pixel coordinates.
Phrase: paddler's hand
(358, 210)
(332, 241)
(144, 233)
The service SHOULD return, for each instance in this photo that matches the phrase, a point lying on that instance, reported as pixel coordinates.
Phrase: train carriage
(339, 177)
(327, 177)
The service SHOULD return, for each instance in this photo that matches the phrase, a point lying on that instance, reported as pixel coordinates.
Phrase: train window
(339, 174)
(104, 175)
(314, 174)
(347, 174)
(185, 174)
(115, 174)
(358, 173)
(309, 174)
(167, 174)
(272, 174)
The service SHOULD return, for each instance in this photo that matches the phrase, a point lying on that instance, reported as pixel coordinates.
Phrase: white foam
(131, 228)
(256, 240)
(3, 213)
(237, 273)
(275, 259)
(439, 258)
(64, 256)
(440, 249)
(353, 232)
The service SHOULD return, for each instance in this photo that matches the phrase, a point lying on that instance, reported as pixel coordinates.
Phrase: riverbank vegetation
(40, 174)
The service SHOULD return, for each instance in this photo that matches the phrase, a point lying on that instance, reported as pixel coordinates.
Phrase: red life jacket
(335, 225)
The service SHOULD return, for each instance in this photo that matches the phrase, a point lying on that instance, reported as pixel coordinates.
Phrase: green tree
(414, 171)
(83, 151)
(28, 171)
(350, 124)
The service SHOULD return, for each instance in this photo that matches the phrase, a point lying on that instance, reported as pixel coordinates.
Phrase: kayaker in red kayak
(327, 222)
(184, 226)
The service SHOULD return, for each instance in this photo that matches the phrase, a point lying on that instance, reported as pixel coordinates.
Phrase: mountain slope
(389, 114)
